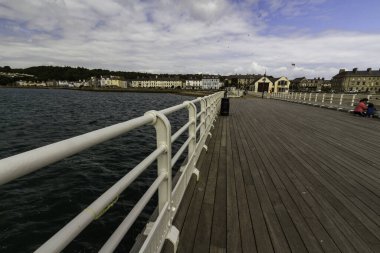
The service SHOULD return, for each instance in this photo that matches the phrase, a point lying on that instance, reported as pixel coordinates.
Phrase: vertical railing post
(304, 98)
(341, 99)
(316, 98)
(323, 98)
(192, 128)
(207, 113)
(163, 138)
(353, 100)
(310, 97)
(203, 118)
(331, 98)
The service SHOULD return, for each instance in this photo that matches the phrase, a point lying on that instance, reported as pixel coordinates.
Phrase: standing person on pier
(361, 108)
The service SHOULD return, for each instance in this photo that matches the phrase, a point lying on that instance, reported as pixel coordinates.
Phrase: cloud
(210, 36)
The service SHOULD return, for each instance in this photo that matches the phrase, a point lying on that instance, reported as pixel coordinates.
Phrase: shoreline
(195, 93)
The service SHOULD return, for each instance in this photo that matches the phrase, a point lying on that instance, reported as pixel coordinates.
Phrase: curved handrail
(337, 101)
(19, 165)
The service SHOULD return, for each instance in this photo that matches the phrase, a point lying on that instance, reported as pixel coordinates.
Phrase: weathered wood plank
(233, 227)
(219, 221)
(187, 234)
(245, 221)
(203, 233)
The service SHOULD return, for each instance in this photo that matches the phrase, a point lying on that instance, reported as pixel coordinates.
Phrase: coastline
(195, 93)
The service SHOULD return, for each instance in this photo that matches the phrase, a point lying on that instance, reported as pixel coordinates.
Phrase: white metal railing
(168, 200)
(330, 100)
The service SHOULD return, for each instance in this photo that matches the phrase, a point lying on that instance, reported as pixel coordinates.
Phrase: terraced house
(357, 81)
(157, 83)
(113, 81)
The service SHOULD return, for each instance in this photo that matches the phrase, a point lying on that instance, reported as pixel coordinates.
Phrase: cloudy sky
(193, 36)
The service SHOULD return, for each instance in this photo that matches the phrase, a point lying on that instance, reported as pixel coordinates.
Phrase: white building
(281, 85)
(63, 84)
(210, 83)
(193, 84)
(161, 83)
(113, 81)
(270, 84)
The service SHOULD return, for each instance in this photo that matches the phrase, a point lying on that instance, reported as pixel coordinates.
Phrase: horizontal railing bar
(123, 228)
(180, 151)
(64, 236)
(175, 108)
(200, 98)
(180, 131)
(172, 109)
(19, 165)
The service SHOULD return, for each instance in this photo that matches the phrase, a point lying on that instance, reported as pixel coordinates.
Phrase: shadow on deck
(284, 177)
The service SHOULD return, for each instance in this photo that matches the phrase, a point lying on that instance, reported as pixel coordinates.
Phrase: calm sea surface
(36, 206)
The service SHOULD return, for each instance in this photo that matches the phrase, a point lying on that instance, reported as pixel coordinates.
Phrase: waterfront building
(51, 83)
(280, 84)
(31, 84)
(261, 84)
(94, 82)
(24, 83)
(210, 83)
(295, 84)
(113, 81)
(241, 81)
(64, 84)
(356, 81)
(157, 83)
(304, 84)
(193, 83)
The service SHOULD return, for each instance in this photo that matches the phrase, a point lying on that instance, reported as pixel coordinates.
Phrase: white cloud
(160, 36)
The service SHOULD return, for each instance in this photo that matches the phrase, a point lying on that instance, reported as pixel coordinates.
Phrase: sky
(293, 38)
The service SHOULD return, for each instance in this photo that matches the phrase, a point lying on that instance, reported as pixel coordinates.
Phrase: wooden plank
(188, 233)
(203, 233)
(233, 227)
(246, 229)
(218, 241)
(258, 211)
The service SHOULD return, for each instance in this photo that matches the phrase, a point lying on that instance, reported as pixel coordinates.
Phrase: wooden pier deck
(285, 177)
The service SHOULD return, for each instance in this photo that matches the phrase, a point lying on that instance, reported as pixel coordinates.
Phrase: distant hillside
(46, 73)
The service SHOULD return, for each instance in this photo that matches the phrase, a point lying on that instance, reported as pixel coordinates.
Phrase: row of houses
(195, 83)
(257, 83)
(110, 81)
(355, 81)
(205, 83)
(344, 81)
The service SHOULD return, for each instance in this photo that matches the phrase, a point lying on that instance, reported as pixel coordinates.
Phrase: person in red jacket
(361, 108)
